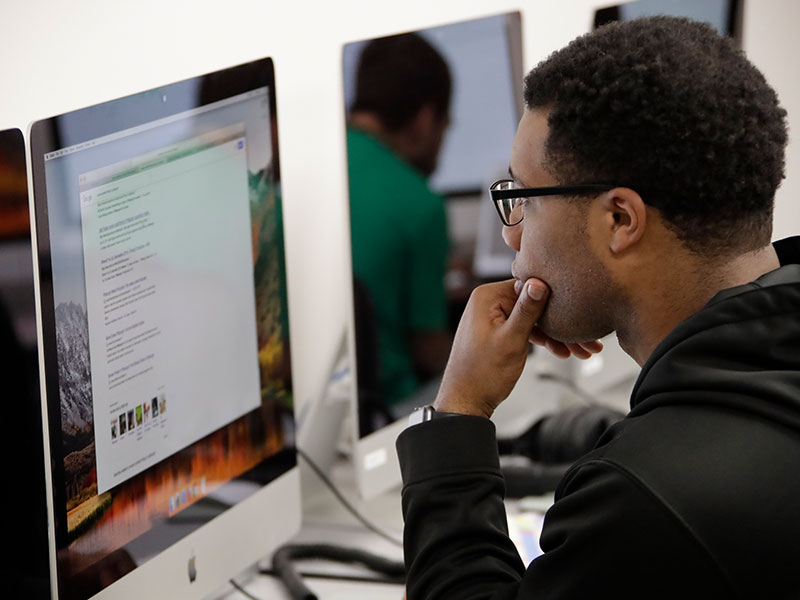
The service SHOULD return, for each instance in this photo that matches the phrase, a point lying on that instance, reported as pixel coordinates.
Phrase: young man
(694, 494)
(396, 126)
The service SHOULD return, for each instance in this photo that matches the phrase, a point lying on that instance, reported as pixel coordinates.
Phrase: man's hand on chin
(491, 346)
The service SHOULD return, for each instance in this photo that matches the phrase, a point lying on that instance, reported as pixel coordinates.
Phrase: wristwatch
(427, 413)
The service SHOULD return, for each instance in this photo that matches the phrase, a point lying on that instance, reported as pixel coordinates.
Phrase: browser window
(183, 209)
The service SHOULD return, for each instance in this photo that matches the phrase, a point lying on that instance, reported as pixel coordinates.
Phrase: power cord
(283, 567)
(350, 508)
(571, 385)
(241, 590)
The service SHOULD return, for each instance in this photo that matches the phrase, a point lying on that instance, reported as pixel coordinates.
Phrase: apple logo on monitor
(192, 569)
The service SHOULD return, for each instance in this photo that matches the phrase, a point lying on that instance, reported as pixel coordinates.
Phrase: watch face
(421, 414)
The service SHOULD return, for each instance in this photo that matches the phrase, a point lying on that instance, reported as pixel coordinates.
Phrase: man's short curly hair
(671, 109)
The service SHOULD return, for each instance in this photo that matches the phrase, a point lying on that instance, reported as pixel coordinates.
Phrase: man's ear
(626, 218)
(423, 122)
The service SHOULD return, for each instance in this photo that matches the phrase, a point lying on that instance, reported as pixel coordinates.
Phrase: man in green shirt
(398, 225)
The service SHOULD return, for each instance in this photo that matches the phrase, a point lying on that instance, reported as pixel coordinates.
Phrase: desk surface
(326, 521)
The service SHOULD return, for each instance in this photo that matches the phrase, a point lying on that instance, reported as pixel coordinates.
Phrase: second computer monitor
(431, 116)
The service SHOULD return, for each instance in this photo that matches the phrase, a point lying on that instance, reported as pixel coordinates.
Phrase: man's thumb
(528, 308)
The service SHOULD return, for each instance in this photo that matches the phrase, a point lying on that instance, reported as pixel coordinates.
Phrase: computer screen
(165, 329)
(486, 68)
(25, 562)
(448, 96)
(724, 15)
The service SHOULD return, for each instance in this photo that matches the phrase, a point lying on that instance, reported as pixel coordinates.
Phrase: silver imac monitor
(431, 115)
(169, 412)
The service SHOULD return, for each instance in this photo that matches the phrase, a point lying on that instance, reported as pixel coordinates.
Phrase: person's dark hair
(398, 75)
(671, 109)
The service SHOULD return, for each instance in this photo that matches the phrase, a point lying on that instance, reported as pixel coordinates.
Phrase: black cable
(567, 382)
(242, 590)
(353, 511)
(282, 565)
(335, 576)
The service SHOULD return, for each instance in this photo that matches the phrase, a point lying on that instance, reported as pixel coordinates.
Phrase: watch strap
(425, 413)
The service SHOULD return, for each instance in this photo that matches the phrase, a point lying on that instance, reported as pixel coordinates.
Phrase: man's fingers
(581, 350)
(558, 349)
(594, 346)
(578, 351)
(528, 308)
(538, 337)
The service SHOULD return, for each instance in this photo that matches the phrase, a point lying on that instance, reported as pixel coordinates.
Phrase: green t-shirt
(400, 246)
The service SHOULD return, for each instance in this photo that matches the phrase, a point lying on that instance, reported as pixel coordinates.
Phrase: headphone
(535, 462)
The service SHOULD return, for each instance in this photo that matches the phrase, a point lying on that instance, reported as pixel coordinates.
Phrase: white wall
(771, 41)
(58, 56)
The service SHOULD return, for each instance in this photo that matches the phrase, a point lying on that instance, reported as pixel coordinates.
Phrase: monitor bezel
(44, 138)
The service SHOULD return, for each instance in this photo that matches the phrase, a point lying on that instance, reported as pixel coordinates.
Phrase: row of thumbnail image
(187, 495)
(138, 416)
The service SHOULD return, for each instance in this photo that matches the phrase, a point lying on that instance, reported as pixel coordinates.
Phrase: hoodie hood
(741, 351)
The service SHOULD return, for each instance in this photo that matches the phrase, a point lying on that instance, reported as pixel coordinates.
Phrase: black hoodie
(695, 494)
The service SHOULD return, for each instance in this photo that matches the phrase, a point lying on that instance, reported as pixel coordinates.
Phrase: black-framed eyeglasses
(508, 198)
